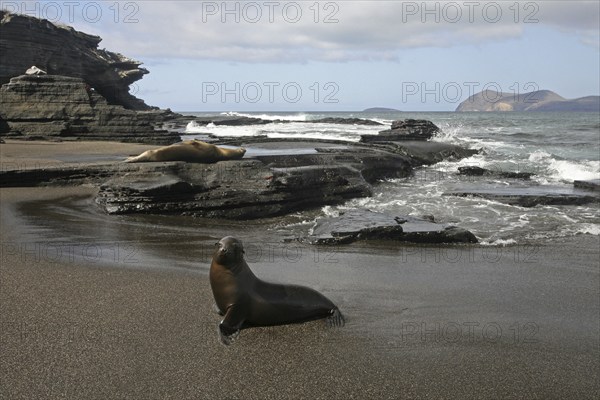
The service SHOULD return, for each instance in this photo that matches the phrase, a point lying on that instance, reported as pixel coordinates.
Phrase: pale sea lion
(247, 301)
(190, 151)
(33, 70)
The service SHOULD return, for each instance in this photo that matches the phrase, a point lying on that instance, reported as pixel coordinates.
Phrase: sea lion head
(238, 153)
(228, 251)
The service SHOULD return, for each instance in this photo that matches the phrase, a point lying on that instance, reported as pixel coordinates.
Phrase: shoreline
(421, 322)
(96, 305)
(18, 154)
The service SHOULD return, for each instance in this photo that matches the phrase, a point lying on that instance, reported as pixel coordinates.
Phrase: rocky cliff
(61, 50)
(54, 106)
(540, 100)
(75, 90)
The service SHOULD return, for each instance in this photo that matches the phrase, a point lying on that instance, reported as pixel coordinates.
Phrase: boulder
(245, 189)
(408, 129)
(355, 225)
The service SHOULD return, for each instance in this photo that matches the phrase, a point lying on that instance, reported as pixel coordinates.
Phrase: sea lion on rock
(247, 301)
(190, 151)
(33, 70)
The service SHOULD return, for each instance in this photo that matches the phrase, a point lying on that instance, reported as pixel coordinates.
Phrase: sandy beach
(97, 306)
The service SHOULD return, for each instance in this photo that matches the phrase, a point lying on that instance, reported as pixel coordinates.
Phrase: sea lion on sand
(247, 301)
(190, 151)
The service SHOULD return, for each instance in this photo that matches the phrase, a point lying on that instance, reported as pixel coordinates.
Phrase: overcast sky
(341, 55)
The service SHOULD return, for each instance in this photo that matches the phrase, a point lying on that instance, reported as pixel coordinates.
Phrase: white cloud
(301, 31)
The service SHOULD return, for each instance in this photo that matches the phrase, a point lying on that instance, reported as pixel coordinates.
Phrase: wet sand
(96, 306)
(19, 154)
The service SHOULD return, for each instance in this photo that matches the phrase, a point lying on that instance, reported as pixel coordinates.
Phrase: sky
(341, 55)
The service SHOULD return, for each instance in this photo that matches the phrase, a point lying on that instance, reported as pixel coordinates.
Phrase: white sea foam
(590, 229)
(558, 170)
(300, 130)
(494, 223)
(330, 211)
(498, 242)
(194, 127)
(271, 117)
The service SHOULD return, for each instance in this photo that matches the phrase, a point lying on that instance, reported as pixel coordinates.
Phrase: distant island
(380, 110)
(540, 100)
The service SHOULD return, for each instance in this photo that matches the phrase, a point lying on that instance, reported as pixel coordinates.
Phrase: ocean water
(557, 147)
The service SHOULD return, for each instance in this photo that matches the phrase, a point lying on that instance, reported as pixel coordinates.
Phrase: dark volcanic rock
(593, 184)
(478, 171)
(4, 128)
(426, 153)
(371, 164)
(417, 153)
(265, 186)
(347, 121)
(357, 225)
(531, 196)
(257, 187)
(230, 121)
(243, 120)
(408, 129)
(279, 178)
(61, 50)
(243, 189)
(66, 107)
(64, 176)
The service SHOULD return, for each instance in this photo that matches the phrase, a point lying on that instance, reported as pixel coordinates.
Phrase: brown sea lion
(246, 301)
(190, 151)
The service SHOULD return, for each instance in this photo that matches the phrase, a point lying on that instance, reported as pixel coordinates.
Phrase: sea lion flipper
(216, 309)
(229, 328)
(336, 318)
(226, 335)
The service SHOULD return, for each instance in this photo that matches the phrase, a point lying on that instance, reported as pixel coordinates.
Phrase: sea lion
(33, 70)
(246, 301)
(190, 151)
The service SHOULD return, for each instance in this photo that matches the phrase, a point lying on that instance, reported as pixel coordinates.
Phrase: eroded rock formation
(61, 50)
(52, 106)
